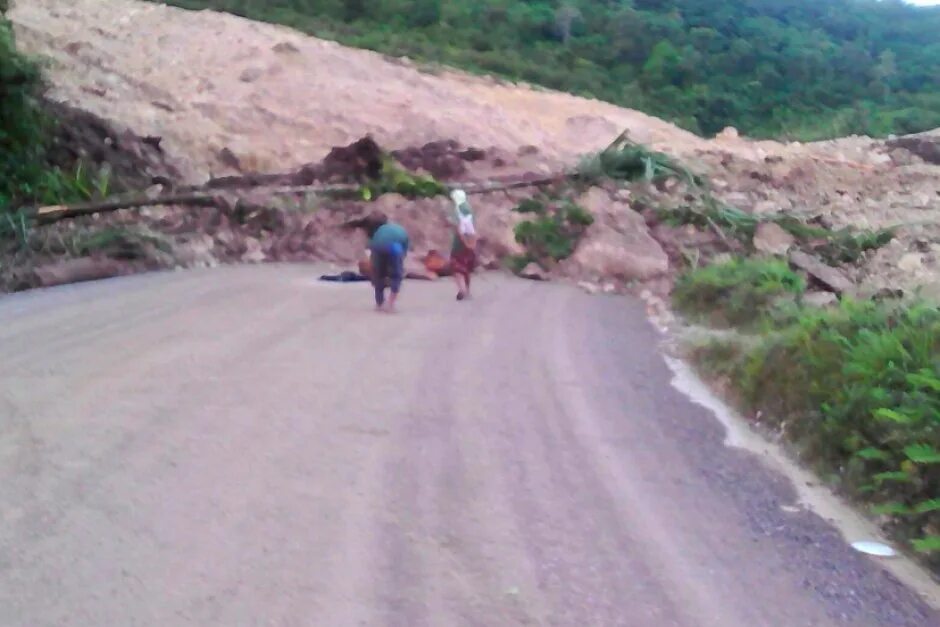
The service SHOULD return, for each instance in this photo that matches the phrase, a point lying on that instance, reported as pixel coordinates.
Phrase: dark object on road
(344, 277)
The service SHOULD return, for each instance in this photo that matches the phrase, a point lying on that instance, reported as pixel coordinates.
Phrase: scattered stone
(911, 262)
(832, 278)
(590, 288)
(533, 272)
(251, 74)
(772, 239)
(285, 47)
(229, 159)
(254, 252)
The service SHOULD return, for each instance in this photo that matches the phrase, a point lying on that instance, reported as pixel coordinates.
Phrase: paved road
(248, 447)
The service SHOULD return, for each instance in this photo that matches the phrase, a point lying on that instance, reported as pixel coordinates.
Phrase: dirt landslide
(227, 98)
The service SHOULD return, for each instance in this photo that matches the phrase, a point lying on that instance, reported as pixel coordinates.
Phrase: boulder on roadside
(772, 239)
(618, 245)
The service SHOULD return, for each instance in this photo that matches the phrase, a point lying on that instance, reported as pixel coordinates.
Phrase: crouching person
(388, 245)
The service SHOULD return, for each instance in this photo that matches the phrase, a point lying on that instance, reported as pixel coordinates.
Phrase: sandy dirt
(248, 446)
(207, 81)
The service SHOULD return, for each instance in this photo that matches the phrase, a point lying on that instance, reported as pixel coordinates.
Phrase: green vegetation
(624, 160)
(22, 125)
(737, 292)
(769, 67)
(395, 179)
(25, 133)
(554, 230)
(855, 387)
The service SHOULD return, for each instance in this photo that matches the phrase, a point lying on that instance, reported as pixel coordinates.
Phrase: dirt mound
(133, 162)
(223, 91)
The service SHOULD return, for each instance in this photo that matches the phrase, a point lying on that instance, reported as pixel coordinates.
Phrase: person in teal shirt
(388, 245)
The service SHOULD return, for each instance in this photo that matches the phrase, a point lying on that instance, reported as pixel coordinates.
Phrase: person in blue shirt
(388, 245)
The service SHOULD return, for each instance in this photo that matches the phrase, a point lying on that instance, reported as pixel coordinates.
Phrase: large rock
(772, 239)
(618, 245)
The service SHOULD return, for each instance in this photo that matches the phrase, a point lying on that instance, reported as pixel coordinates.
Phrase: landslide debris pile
(229, 101)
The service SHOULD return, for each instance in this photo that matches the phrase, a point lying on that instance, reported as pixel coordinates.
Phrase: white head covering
(458, 196)
(463, 212)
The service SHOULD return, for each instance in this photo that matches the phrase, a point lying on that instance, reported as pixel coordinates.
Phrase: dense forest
(795, 68)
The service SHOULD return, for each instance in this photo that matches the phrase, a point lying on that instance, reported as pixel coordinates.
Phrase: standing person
(388, 244)
(463, 256)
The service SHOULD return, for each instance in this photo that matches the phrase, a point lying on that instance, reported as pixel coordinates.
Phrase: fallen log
(471, 188)
(54, 213)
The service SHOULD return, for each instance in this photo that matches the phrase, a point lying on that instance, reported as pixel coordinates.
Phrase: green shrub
(857, 389)
(736, 292)
(23, 128)
(860, 387)
(552, 234)
(395, 179)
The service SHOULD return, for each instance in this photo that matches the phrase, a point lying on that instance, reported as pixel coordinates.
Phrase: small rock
(820, 299)
(772, 239)
(911, 262)
(251, 74)
(154, 191)
(588, 287)
(833, 278)
(533, 272)
(728, 134)
(285, 47)
(254, 252)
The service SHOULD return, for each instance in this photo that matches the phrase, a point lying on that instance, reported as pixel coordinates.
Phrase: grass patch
(856, 388)
(737, 292)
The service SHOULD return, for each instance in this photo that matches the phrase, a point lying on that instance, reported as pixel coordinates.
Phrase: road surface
(247, 446)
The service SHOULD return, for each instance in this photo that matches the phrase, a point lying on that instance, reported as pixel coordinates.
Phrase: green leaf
(927, 545)
(872, 453)
(896, 475)
(926, 507)
(898, 509)
(890, 414)
(924, 379)
(922, 454)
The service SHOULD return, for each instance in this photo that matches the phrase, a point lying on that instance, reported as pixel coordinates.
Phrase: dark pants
(387, 271)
